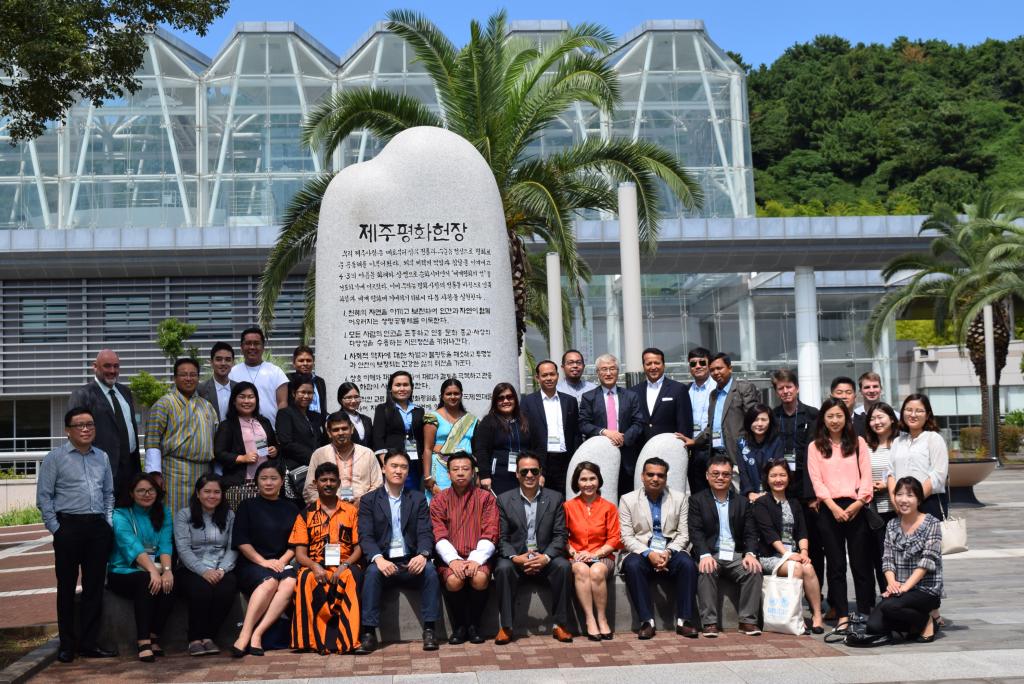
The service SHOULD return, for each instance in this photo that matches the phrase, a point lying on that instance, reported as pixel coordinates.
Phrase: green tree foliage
(54, 53)
(170, 338)
(908, 126)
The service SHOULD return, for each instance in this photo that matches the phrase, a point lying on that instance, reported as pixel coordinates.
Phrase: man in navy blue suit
(554, 419)
(397, 540)
(664, 403)
(624, 425)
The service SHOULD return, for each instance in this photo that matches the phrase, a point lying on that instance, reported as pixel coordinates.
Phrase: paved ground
(985, 609)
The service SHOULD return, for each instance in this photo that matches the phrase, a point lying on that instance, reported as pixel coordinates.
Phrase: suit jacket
(366, 441)
(672, 410)
(768, 519)
(208, 391)
(375, 523)
(796, 433)
(703, 522)
(533, 407)
(389, 429)
(297, 443)
(638, 525)
(228, 444)
(123, 467)
(552, 534)
(742, 396)
(319, 386)
(593, 419)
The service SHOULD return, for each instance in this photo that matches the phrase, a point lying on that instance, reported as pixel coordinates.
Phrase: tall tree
(499, 93)
(971, 263)
(54, 53)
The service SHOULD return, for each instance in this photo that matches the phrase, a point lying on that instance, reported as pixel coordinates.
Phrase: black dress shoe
(65, 655)
(97, 652)
(458, 636)
(367, 644)
(429, 640)
(474, 635)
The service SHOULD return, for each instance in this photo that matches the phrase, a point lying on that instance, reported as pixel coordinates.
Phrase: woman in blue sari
(447, 429)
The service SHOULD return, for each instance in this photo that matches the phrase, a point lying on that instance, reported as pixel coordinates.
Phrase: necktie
(122, 426)
(609, 408)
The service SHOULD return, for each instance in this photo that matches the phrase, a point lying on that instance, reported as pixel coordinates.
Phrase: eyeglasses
(529, 471)
(573, 363)
(694, 363)
(720, 476)
(82, 426)
(145, 492)
(351, 398)
(914, 412)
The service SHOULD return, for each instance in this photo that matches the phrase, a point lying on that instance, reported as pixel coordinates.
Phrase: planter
(963, 475)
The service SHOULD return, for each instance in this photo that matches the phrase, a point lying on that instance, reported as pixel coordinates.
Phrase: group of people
(249, 484)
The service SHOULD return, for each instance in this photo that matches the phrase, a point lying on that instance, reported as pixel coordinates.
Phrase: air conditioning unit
(925, 354)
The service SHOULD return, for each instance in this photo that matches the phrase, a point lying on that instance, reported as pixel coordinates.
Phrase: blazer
(389, 429)
(742, 396)
(533, 407)
(487, 433)
(319, 386)
(703, 522)
(123, 467)
(593, 419)
(795, 433)
(638, 525)
(208, 391)
(552, 534)
(375, 523)
(297, 442)
(366, 441)
(672, 410)
(753, 458)
(768, 519)
(228, 444)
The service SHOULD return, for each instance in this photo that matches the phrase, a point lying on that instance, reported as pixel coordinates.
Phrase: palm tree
(970, 264)
(499, 93)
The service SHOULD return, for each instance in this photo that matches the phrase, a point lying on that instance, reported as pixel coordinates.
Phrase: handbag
(294, 482)
(782, 601)
(954, 534)
(236, 494)
(875, 521)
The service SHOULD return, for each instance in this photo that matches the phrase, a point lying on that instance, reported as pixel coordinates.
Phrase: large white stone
(600, 451)
(671, 450)
(412, 272)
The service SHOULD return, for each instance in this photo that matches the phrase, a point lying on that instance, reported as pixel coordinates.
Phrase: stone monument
(670, 449)
(413, 272)
(600, 451)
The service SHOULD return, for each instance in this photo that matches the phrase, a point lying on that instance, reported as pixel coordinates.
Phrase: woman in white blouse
(883, 429)
(920, 452)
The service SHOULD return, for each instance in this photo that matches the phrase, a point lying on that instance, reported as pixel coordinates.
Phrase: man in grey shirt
(572, 382)
(75, 493)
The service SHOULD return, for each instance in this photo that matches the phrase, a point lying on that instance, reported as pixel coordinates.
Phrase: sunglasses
(694, 363)
(506, 397)
(529, 471)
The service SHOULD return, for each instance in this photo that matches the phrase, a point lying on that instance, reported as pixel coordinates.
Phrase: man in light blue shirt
(700, 391)
(572, 382)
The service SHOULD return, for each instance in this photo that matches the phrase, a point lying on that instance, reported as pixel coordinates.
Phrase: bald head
(107, 367)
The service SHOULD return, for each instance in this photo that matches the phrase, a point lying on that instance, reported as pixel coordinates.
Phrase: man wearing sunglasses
(699, 360)
(531, 546)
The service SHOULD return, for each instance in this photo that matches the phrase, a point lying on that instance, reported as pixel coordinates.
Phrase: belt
(61, 516)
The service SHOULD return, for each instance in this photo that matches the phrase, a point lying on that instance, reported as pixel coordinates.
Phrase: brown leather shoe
(504, 637)
(711, 631)
(749, 629)
(646, 631)
(687, 630)
(562, 634)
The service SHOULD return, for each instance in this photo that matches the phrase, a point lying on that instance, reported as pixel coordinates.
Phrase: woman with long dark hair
(140, 564)
(883, 429)
(499, 438)
(350, 400)
(398, 425)
(839, 466)
(759, 445)
(202, 537)
(446, 430)
(244, 439)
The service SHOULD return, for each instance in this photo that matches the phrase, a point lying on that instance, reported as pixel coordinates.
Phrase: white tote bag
(782, 601)
(954, 535)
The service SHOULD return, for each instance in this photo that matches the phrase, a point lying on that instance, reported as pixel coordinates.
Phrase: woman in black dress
(499, 438)
(350, 400)
(398, 425)
(300, 431)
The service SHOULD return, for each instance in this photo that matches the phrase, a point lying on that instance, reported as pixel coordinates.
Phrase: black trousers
(208, 604)
(82, 542)
(842, 538)
(697, 469)
(907, 612)
(151, 610)
(507, 576)
(556, 465)
(878, 549)
(815, 547)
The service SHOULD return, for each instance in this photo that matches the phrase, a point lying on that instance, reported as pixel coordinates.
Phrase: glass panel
(44, 320)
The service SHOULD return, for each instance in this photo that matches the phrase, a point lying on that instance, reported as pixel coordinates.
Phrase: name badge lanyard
(513, 454)
(789, 442)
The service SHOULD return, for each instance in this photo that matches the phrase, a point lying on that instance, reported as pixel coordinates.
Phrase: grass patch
(21, 516)
(19, 641)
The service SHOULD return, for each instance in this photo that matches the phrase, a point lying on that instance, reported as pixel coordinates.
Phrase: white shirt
(924, 457)
(653, 390)
(553, 415)
(223, 397)
(267, 377)
(357, 423)
(700, 397)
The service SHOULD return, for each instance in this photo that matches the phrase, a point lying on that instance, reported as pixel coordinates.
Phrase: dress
(452, 438)
(326, 615)
(769, 563)
(265, 525)
(592, 527)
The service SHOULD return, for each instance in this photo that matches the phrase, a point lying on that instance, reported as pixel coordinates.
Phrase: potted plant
(969, 467)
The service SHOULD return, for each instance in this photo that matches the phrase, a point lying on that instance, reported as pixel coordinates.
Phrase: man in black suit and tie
(664, 403)
(217, 390)
(624, 425)
(531, 545)
(554, 419)
(730, 400)
(113, 411)
(397, 540)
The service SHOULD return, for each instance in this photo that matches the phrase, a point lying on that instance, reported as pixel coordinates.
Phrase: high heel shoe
(593, 637)
(928, 639)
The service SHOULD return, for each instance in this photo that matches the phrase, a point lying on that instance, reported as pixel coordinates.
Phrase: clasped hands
(531, 566)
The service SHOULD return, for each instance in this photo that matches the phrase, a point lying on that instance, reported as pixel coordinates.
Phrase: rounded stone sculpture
(600, 451)
(670, 449)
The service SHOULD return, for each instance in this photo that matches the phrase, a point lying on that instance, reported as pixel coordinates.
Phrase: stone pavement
(984, 640)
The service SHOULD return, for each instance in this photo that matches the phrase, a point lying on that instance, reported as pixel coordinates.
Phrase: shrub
(1010, 437)
(1015, 418)
(21, 516)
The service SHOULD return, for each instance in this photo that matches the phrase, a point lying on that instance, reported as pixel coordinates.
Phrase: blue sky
(760, 31)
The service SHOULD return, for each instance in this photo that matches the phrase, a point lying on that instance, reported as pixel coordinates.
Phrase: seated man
(724, 538)
(326, 592)
(465, 522)
(396, 538)
(655, 538)
(532, 545)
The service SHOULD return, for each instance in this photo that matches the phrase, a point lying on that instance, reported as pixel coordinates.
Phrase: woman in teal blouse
(140, 564)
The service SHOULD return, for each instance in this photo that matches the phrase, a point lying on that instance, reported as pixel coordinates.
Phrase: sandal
(151, 658)
(157, 651)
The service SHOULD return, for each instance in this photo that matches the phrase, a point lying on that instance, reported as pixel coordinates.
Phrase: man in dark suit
(843, 389)
(531, 545)
(397, 540)
(664, 403)
(217, 390)
(713, 511)
(624, 427)
(730, 400)
(113, 411)
(554, 419)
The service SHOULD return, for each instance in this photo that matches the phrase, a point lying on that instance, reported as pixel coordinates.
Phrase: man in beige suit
(656, 539)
